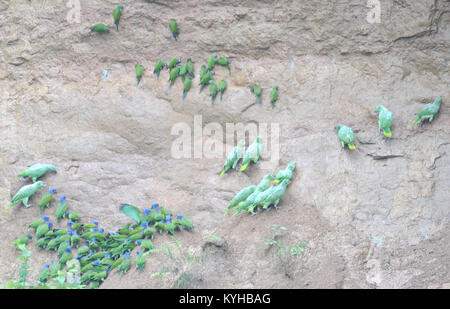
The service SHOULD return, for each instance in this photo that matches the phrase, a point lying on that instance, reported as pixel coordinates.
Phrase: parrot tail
(416, 121)
(351, 147)
(243, 167)
(276, 181)
(259, 100)
(117, 26)
(221, 96)
(174, 35)
(184, 95)
(387, 133)
(138, 80)
(213, 99)
(223, 172)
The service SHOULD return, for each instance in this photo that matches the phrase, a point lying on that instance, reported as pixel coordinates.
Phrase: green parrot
(140, 260)
(428, 111)
(346, 136)
(116, 14)
(133, 212)
(67, 256)
(183, 71)
(174, 73)
(146, 244)
(74, 240)
(252, 153)
(94, 284)
(190, 68)
(25, 193)
(240, 197)
(262, 186)
(61, 208)
(87, 276)
(202, 72)
(174, 62)
(275, 195)
(183, 223)
(158, 67)
(274, 96)
(99, 276)
(34, 225)
(174, 28)
(139, 72)
(233, 157)
(37, 170)
(21, 240)
(222, 87)
(286, 173)
(384, 120)
(117, 262)
(46, 199)
(62, 248)
(83, 250)
(100, 28)
(42, 243)
(44, 273)
(186, 86)
(257, 91)
(211, 62)
(213, 90)
(223, 61)
(125, 265)
(205, 79)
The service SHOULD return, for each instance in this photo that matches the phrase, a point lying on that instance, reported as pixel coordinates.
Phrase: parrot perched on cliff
(173, 26)
(125, 265)
(252, 153)
(25, 193)
(275, 194)
(222, 87)
(202, 72)
(140, 260)
(117, 13)
(133, 212)
(46, 199)
(286, 173)
(213, 90)
(223, 61)
(21, 240)
(139, 72)
(174, 73)
(262, 186)
(240, 197)
(100, 28)
(257, 91)
(183, 223)
(34, 225)
(346, 136)
(233, 157)
(37, 170)
(428, 111)
(61, 208)
(186, 86)
(173, 62)
(62, 248)
(211, 62)
(44, 273)
(183, 71)
(43, 229)
(67, 256)
(274, 96)
(146, 244)
(205, 79)
(190, 68)
(384, 120)
(158, 67)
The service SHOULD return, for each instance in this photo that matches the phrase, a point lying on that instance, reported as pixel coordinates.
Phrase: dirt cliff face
(377, 217)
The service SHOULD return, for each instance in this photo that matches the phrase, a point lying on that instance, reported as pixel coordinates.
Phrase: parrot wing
(131, 211)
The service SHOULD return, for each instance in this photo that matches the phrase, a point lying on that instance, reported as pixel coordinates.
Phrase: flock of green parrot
(102, 251)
